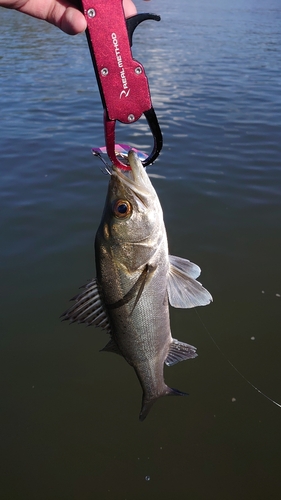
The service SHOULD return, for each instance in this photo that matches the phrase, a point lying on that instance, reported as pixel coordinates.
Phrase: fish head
(132, 214)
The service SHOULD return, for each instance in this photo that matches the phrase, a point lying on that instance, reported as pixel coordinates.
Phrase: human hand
(62, 13)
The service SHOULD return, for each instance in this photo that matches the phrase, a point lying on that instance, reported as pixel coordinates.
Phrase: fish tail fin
(148, 403)
(145, 409)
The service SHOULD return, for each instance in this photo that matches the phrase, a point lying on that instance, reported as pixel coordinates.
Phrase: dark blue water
(69, 414)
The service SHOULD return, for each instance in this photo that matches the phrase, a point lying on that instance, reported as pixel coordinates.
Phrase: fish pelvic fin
(147, 403)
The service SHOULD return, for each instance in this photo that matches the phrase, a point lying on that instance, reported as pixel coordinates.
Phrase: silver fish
(136, 280)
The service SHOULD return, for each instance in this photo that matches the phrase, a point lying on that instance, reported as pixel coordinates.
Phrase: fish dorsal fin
(183, 290)
(179, 351)
(111, 346)
(185, 266)
(88, 308)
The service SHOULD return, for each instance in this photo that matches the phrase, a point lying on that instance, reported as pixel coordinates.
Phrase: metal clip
(122, 81)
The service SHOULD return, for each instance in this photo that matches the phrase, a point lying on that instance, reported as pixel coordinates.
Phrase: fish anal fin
(179, 351)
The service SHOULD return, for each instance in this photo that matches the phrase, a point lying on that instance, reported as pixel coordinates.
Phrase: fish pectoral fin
(88, 308)
(185, 266)
(179, 351)
(111, 346)
(183, 290)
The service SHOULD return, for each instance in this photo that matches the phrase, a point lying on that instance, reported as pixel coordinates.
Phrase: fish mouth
(136, 179)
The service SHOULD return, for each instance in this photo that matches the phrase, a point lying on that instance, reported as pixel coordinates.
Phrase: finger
(129, 8)
(73, 21)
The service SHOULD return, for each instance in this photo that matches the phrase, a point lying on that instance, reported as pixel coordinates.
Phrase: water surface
(69, 414)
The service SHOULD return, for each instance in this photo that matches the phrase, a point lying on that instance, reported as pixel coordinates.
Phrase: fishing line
(232, 365)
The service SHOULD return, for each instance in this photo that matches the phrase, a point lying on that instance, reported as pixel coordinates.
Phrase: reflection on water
(69, 413)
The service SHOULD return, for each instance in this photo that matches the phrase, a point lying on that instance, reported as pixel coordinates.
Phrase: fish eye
(122, 209)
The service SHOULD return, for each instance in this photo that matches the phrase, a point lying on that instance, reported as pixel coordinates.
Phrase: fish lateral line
(234, 367)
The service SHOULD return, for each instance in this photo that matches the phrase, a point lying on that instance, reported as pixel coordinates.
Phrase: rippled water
(69, 414)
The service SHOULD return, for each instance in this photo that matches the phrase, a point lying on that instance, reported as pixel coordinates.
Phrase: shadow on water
(69, 414)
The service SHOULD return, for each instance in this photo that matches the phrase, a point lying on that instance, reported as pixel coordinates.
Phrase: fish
(136, 280)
